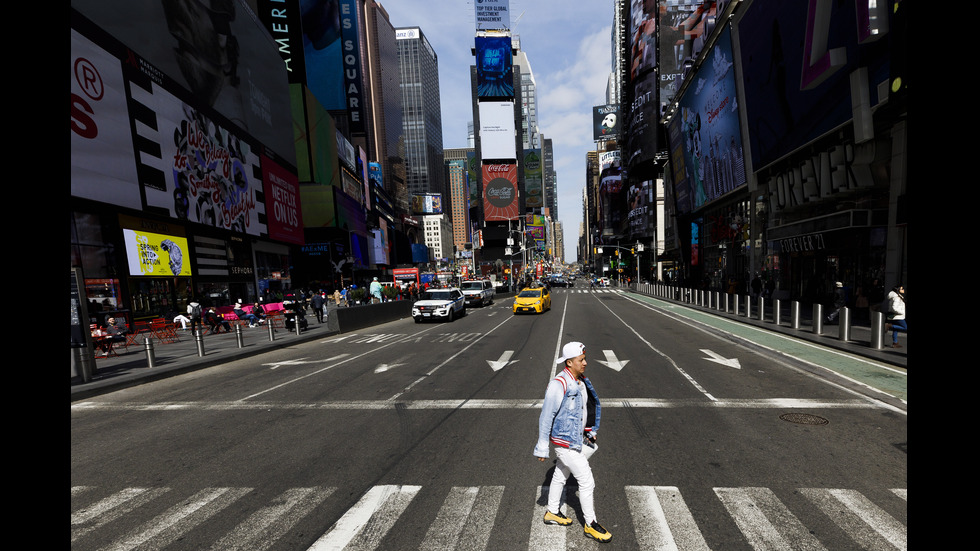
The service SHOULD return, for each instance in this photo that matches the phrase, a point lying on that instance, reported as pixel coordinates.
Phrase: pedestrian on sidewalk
(570, 421)
(196, 314)
(838, 302)
(318, 301)
(896, 314)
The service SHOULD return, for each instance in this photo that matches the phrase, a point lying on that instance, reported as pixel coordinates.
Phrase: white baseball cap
(571, 350)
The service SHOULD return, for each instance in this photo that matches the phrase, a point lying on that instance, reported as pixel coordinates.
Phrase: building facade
(421, 113)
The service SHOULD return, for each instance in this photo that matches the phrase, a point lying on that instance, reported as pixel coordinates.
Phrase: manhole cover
(803, 419)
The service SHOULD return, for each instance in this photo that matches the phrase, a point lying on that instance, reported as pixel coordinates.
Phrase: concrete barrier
(366, 315)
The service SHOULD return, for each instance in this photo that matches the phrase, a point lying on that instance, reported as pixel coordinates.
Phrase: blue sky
(568, 45)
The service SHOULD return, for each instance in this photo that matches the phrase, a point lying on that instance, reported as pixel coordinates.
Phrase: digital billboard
(500, 200)
(224, 57)
(102, 167)
(494, 67)
(805, 96)
(152, 254)
(643, 80)
(492, 15)
(707, 123)
(498, 138)
(533, 179)
(282, 203)
(427, 203)
(605, 122)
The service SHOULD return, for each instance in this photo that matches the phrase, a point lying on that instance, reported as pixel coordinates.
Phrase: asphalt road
(419, 436)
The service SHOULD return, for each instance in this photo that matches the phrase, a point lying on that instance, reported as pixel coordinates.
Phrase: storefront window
(159, 297)
(272, 271)
(91, 247)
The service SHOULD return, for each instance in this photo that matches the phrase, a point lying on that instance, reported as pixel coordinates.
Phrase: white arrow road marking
(385, 367)
(612, 362)
(503, 361)
(718, 358)
(341, 338)
(302, 361)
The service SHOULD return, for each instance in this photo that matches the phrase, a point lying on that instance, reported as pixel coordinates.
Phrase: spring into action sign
(152, 254)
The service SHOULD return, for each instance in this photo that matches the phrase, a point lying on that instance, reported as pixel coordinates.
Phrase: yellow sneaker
(559, 519)
(597, 532)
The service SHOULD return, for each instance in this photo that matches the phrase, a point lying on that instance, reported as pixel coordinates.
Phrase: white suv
(478, 291)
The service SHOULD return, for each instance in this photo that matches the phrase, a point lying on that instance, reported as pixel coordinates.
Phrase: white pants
(571, 462)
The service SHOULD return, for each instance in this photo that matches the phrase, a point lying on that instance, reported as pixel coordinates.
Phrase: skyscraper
(421, 113)
(529, 97)
(385, 106)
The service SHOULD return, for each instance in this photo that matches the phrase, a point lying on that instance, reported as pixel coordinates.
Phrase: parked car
(533, 300)
(478, 291)
(439, 304)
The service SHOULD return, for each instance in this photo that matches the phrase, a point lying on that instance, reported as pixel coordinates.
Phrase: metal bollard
(725, 307)
(777, 311)
(844, 324)
(199, 338)
(877, 330)
(794, 314)
(817, 321)
(296, 326)
(762, 308)
(151, 359)
(239, 336)
(272, 330)
(735, 303)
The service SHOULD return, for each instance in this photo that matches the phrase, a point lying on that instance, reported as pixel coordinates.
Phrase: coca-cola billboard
(500, 192)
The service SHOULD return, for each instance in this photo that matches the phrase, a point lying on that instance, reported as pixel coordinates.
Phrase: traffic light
(632, 251)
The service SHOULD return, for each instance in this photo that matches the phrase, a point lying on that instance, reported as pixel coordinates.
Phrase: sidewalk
(859, 343)
(131, 366)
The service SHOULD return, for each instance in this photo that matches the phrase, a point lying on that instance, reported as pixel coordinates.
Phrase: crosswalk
(477, 518)
(598, 290)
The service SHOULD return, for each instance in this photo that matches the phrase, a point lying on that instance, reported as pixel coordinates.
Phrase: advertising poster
(681, 23)
(282, 202)
(492, 15)
(192, 166)
(709, 128)
(497, 130)
(791, 100)
(605, 122)
(427, 203)
(473, 177)
(494, 67)
(500, 192)
(102, 158)
(222, 55)
(533, 179)
(322, 51)
(151, 254)
(641, 207)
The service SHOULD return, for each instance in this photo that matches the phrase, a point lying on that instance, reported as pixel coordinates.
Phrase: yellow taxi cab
(532, 299)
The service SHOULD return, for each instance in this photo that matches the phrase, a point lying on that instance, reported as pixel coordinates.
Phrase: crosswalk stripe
(465, 520)
(862, 520)
(765, 522)
(380, 507)
(166, 528)
(543, 536)
(264, 527)
(111, 508)
(662, 520)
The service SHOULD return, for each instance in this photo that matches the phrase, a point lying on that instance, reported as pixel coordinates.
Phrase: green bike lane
(853, 363)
